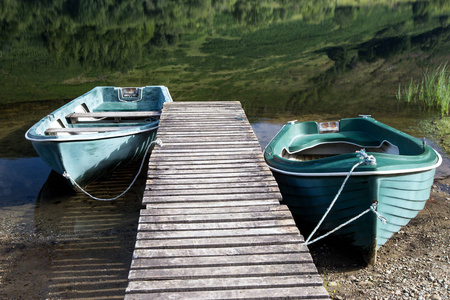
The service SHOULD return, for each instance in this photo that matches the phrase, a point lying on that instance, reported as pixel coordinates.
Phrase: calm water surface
(283, 60)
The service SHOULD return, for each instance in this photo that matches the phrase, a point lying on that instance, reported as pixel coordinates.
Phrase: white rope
(365, 159)
(66, 175)
(332, 202)
(372, 208)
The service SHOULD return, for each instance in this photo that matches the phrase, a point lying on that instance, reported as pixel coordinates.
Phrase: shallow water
(60, 244)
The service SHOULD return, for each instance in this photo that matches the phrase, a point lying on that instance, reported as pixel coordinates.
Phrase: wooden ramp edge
(213, 227)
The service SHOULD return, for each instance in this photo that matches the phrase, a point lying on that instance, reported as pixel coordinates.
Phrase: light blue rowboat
(99, 131)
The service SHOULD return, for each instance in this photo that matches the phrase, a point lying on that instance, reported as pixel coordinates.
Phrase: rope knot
(159, 142)
(368, 159)
(373, 208)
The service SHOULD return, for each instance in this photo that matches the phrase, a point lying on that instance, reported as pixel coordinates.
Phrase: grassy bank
(439, 129)
(432, 91)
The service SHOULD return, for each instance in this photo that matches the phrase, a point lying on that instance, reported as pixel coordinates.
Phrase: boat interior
(126, 110)
(329, 141)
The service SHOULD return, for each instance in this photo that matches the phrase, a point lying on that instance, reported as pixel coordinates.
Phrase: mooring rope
(367, 160)
(66, 175)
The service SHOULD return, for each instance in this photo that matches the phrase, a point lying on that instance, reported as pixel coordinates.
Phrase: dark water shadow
(93, 241)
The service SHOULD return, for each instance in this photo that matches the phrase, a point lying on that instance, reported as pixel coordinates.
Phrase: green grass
(433, 90)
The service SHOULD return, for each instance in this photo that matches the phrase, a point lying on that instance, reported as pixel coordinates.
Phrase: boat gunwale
(90, 136)
(361, 173)
(32, 136)
(277, 169)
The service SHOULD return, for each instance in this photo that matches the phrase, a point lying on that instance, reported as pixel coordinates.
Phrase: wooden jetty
(213, 227)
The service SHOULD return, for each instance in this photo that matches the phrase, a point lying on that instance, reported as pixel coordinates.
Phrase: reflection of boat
(99, 130)
(60, 210)
(310, 162)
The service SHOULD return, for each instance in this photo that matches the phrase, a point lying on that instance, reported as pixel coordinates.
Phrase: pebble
(332, 283)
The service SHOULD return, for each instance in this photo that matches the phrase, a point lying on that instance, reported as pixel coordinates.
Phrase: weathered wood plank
(226, 271)
(216, 283)
(214, 215)
(299, 257)
(231, 211)
(303, 292)
(212, 185)
(201, 173)
(210, 165)
(189, 151)
(211, 197)
(220, 140)
(215, 251)
(268, 224)
(151, 182)
(232, 191)
(208, 205)
(158, 156)
(236, 232)
(210, 242)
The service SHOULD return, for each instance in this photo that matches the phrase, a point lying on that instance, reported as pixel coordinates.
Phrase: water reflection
(282, 55)
(20, 180)
(94, 240)
(83, 247)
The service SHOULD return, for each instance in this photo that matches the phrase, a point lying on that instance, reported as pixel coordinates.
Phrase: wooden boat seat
(80, 130)
(117, 116)
(362, 139)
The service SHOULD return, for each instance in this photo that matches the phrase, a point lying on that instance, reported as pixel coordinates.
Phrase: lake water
(283, 60)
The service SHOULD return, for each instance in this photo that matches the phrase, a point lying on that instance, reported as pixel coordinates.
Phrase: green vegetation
(432, 91)
(439, 129)
(273, 55)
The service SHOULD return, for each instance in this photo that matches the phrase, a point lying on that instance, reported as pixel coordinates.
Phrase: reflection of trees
(383, 48)
(112, 49)
(420, 12)
(115, 34)
(175, 18)
(344, 16)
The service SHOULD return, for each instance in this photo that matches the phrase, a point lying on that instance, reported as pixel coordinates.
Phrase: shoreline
(413, 264)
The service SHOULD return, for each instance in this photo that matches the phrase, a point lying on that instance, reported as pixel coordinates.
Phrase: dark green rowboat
(310, 162)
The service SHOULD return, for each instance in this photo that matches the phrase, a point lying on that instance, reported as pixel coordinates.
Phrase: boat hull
(399, 197)
(88, 160)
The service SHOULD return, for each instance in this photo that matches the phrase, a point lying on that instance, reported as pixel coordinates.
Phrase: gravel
(413, 264)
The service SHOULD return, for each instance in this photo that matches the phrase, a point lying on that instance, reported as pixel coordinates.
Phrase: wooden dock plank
(213, 227)
(220, 261)
(304, 292)
(221, 283)
(228, 271)
(231, 211)
(261, 240)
